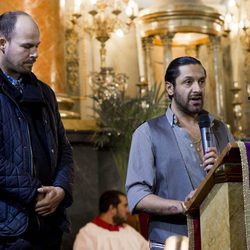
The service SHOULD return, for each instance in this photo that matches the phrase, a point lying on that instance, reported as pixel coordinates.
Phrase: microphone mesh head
(204, 121)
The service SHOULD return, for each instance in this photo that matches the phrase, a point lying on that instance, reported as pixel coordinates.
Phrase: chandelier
(105, 17)
(102, 19)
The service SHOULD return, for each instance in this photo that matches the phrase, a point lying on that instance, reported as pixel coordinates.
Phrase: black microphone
(206, 133)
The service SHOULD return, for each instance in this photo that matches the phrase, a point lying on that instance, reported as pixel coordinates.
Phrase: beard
(18, 68)
(118, 220)
(192, 105)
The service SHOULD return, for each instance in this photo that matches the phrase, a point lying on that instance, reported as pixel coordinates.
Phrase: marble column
(147, 46)
(244, 76)
(50, 64)
(140, 54)
(211, 87)
(167, 43)
(246, 94)
(217, 75)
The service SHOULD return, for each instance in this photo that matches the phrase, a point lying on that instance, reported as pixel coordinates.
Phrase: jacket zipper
(32, 167)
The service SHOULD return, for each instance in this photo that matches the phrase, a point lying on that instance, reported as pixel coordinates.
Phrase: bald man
(36, 164)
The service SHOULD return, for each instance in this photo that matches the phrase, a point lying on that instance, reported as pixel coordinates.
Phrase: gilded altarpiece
(76, 64)
(186, 28)
(172, 29)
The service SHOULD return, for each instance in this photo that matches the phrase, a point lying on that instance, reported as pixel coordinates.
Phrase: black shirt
(31, 106)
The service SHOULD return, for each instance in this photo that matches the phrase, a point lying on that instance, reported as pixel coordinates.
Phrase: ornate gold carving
(246, 190)
(72, 70)
(106, 18)
(72, 58)
(245, 38)
(181, 18)
(237, 110)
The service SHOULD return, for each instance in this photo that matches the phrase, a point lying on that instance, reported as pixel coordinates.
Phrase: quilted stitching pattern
(17, 187)
(14, 174)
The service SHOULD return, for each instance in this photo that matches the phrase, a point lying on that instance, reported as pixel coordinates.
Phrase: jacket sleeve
(64, 170)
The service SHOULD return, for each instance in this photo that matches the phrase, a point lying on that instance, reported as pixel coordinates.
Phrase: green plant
(118, 115)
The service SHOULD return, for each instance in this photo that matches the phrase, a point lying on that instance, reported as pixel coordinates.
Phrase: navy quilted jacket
(18, 182)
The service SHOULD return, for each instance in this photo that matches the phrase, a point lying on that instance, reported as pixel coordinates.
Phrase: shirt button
(191, 145)
(52, 151)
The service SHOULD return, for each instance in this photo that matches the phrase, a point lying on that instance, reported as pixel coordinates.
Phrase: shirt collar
(12, 80)
(173, 121)
(99, 222)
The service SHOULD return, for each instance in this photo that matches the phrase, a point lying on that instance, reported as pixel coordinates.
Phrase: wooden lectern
(218, 205)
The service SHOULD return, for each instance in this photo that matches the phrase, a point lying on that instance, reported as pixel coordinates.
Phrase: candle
(236, 84)
(140, 52)
(77, 6)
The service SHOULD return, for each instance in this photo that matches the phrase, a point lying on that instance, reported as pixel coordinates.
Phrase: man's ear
(111, 208)
(170, 88)
(2, 43)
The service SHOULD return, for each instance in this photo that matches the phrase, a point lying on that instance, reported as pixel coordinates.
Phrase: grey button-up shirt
(141, 171)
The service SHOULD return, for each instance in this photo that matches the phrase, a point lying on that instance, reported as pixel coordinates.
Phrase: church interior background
(97, 51)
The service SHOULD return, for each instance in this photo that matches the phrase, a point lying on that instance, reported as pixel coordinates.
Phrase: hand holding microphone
(209, 150)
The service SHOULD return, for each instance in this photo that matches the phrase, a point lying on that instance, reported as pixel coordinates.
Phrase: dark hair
(8, 22)
(110, 197)
(173, 72)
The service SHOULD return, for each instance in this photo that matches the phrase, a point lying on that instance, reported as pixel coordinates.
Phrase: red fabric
(247, 145)
(99, 222)
(197, 234)
(143, 219)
